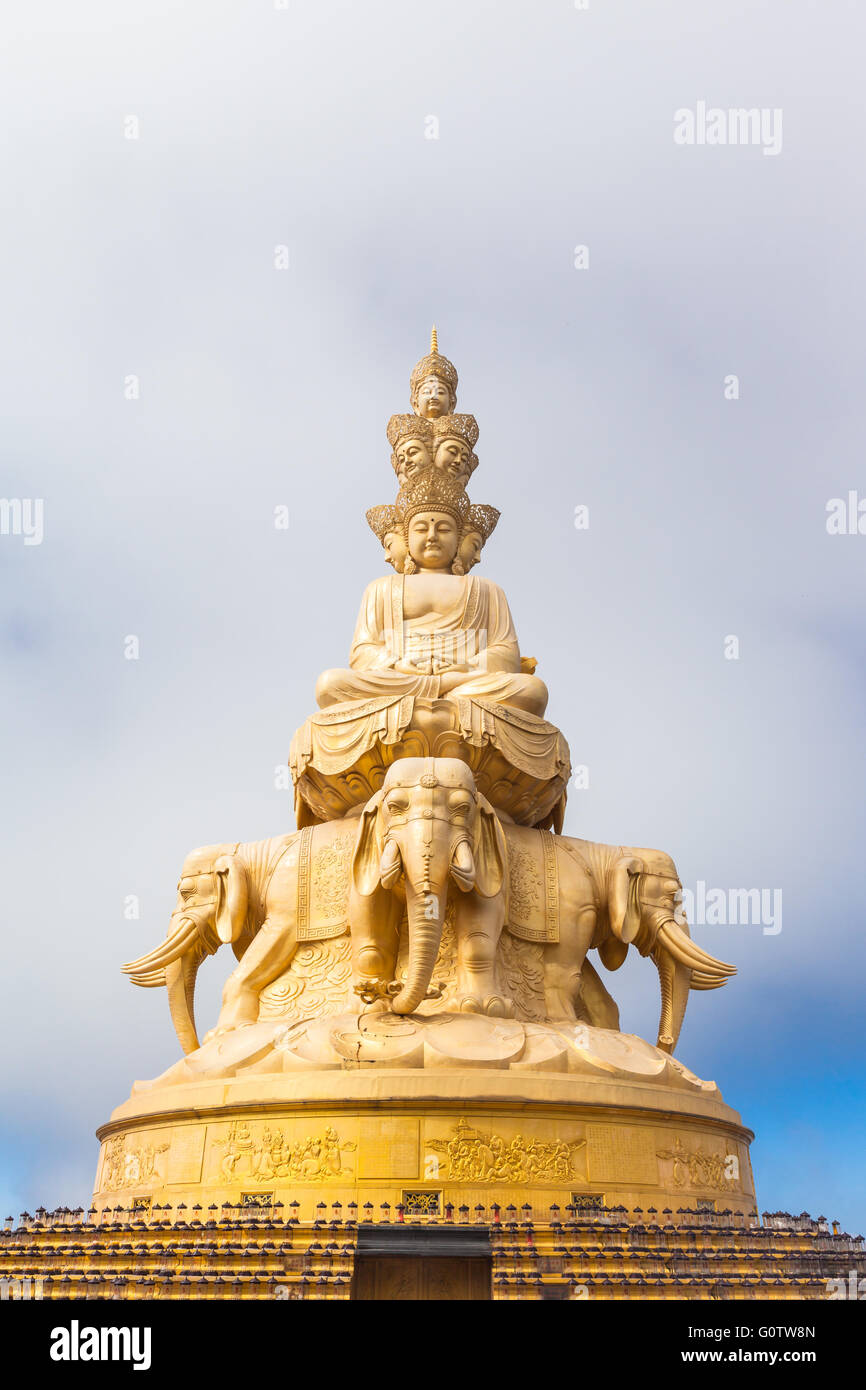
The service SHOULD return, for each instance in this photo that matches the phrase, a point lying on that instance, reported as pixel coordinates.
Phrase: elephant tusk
(168, 951)
(150, 979)
(688, 953)
(701, 981)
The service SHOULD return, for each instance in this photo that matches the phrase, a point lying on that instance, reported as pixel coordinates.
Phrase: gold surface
(416, 1021)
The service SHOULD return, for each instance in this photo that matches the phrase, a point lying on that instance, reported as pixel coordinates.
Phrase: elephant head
(429, 826)
(212, 905)
(644, 895)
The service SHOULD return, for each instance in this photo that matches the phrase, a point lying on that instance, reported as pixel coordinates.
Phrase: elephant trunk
(426, 912)
(682, 966)
(180, 978)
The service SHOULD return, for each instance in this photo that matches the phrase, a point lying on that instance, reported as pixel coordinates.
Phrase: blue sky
(604, 387)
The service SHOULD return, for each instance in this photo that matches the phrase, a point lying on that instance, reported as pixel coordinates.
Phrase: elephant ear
(624, 901)
(490, 851)
(366, 860)
(613, 952)
(232, 897)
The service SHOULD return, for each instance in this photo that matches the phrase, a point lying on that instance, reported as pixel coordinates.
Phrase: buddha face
(453, 457)
(469, 552)
(395, 550)
(433, 398)
(433, 539)
(412, 457)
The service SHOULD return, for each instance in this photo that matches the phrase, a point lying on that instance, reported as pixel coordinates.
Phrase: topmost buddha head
(433, 384)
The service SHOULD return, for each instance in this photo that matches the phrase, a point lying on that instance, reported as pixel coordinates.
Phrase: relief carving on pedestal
(267, 1154)
(472, 1156)
(698, 1169)
(129, 1165)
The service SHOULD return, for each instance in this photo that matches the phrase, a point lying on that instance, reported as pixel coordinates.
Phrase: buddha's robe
(476, 630)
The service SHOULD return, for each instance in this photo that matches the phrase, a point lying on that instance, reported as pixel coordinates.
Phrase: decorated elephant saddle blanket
(533, 885)
(324, 873)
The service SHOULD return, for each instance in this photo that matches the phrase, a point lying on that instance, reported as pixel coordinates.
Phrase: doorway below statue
(418, 1263)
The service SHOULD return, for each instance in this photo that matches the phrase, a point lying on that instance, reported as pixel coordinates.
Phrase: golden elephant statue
(426, 838)
(429, 831)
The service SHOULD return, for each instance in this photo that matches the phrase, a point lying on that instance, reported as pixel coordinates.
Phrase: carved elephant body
(264, 897)
(607, 897)
(427, 838)
(429, 832)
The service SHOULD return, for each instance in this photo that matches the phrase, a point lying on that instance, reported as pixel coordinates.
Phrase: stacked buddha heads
(433, 457)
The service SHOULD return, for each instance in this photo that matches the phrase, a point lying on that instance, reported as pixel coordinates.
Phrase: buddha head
(454, 438)
(384, 522)
(395, 549)
(433, 514)
(478, 526)
(433, 539)
(433, 526)
(433, 384)
(469, 550)
(412, 444)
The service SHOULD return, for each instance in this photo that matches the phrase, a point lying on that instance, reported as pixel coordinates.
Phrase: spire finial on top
(434, 341)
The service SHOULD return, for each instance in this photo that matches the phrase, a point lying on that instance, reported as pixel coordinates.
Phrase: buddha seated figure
(432, 632)
(434, 666)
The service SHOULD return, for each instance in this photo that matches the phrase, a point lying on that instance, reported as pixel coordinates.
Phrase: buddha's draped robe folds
(476, 630)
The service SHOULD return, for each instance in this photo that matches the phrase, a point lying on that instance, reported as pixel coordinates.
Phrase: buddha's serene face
(412, 457)
(395, 550)
(453, 457)
(470, 550)
(433, 540)
(434, 398)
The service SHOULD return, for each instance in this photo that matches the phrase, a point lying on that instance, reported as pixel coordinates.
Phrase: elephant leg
(563, 965)
(266, 958)
(599, 1008)
(478, 923)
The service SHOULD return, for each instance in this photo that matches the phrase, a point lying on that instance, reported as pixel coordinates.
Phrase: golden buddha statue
(433, 630)
(435, 660)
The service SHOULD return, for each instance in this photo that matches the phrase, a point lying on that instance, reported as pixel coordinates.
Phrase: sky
(692, 378)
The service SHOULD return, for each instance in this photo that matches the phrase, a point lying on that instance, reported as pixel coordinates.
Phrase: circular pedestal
(528, 1114)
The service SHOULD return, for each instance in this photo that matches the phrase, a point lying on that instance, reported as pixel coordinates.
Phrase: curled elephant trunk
(426, 911)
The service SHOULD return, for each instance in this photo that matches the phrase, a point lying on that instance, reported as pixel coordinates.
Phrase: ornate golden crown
(432, 492)
(482, 518)
(463, 427)
(383, 519)
(409, 427)
(433, 365)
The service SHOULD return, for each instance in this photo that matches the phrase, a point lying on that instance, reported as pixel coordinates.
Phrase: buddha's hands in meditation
(451, 673)
(454, 676)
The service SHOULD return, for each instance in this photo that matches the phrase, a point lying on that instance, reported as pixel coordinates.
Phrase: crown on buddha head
(463, 427)
(432, 492)
(482, 518)
(382, 519)
(402, 427)
(434, 364)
